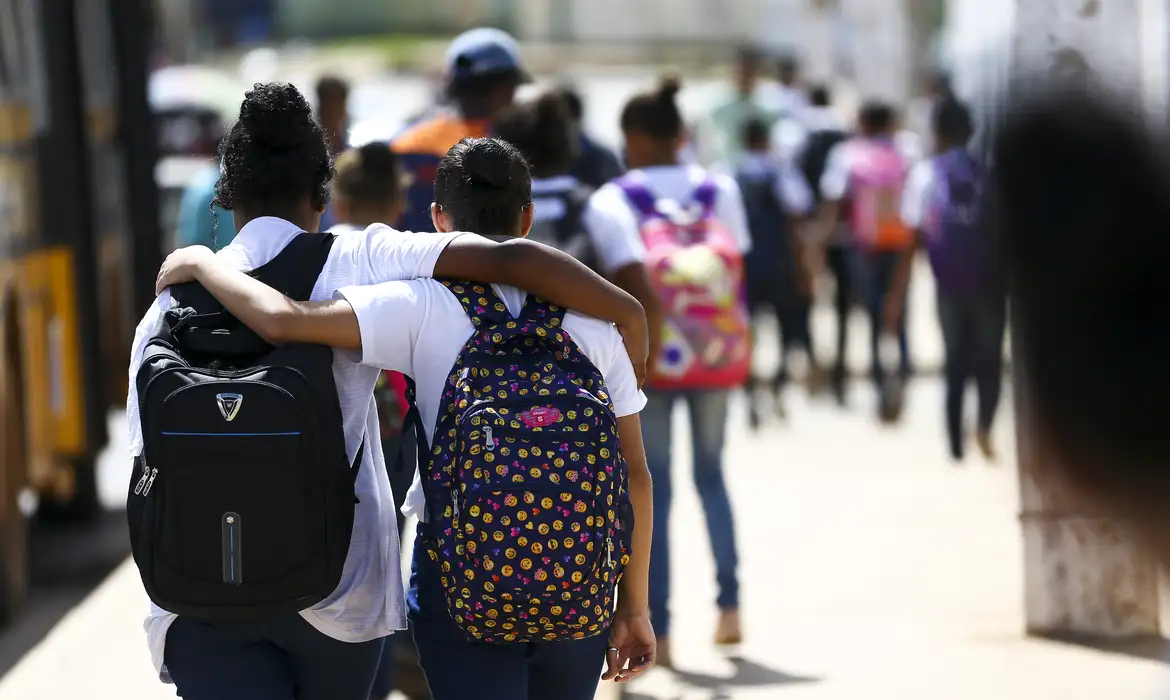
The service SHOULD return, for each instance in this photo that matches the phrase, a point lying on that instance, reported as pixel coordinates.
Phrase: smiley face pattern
(527, 486)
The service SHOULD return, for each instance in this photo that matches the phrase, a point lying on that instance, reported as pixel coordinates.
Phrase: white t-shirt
(678, 183)
(614, 250)
(839, 166)
(419, 328)
(369, 601)
(917, 192)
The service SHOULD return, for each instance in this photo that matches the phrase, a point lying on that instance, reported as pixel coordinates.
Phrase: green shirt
(725, 140)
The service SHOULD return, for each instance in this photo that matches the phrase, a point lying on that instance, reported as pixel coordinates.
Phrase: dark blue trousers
(458, 669)
(284, 660)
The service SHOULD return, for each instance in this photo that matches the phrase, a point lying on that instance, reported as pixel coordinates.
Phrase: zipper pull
(488, 441)
(142, 480)
(454, 503)
(150, 481)
(608, 552)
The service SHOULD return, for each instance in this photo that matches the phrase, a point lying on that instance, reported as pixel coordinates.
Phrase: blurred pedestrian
(869, 171)
(706, 346)
(593, 163)
(201, 221)
(483, 70)
(824, 132)
(333, 116)
(366, 191)
(564, 215)
(719, 138)
(942, 201)
(786, 95)
(777, 200)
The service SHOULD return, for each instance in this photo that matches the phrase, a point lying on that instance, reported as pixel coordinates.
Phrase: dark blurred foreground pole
(1084, 576)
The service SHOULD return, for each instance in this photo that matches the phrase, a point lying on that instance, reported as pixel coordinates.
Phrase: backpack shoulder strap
(295, 270)
(639, 195)
(479, 301)
(706, 194)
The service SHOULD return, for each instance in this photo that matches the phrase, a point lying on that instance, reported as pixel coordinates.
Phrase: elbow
(275, 328)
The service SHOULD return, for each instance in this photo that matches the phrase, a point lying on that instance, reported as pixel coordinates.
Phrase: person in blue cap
(483, 71)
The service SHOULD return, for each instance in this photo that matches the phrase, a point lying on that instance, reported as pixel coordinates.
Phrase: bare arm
(550, 274)
(273, 316)
(633, 279)
(631, 637)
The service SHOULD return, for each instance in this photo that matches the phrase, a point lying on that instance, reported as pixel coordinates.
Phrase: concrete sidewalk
(871, 568)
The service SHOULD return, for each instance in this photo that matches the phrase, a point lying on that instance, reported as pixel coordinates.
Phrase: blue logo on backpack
(529, 513)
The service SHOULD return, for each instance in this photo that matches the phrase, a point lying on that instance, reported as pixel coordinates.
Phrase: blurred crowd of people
(798, 201)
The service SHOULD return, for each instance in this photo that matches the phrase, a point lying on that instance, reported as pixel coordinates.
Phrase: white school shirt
(369, 601)
(605, 228)
(678, 183)
(419, 328)
(919, 183)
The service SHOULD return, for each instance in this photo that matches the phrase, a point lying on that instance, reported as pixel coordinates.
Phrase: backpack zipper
(454, 503)
(150, 481)
(488, 441)
(142, 480)
(609, 552)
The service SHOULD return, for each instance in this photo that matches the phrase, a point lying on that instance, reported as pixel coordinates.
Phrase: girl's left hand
(637, 648)
(182, 266)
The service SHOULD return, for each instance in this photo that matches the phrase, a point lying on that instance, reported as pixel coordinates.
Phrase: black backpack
(241, 506)
(815, 157)
(568, 233)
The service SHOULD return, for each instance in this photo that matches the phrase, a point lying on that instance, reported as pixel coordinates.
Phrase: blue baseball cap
(484, 51)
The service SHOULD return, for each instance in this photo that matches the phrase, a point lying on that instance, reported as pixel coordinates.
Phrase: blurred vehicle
(193, 106)
(79, 247)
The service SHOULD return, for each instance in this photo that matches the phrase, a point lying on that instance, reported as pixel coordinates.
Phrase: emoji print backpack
(529, 517)
(697, 271)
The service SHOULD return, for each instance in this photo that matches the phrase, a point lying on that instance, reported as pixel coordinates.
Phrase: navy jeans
(284, 660)
(875, 271)
(708, 416)
(458, 669)
(973, 331)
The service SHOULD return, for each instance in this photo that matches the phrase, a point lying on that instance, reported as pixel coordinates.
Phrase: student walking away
(719, 138)
(563, 215)
(593, 163)
(483, 71)
(693, 226)
(333, 115)
(366, 191)
(942, 202)
(258, 592)
(776, 199)
(201, 222)
(786, 96)
(531, 565)
(870, 171)
(832, 242)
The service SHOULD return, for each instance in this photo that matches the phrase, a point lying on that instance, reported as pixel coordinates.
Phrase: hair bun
(487, 165)
(276, 115)
(668, 87)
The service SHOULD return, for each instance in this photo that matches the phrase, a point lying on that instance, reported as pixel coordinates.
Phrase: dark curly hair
(275, 155)
(484, 185)
(655, 113)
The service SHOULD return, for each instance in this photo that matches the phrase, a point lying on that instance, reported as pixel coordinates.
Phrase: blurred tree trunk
(1083, 575)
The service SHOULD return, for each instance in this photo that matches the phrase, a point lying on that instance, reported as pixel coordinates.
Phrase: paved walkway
(872, 569)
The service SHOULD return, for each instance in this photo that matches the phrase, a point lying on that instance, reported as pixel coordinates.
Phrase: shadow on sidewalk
(748, 674)
(1148, 648)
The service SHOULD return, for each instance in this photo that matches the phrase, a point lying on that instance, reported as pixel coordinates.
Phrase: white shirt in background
(915, 196)
(788, 101)
(678, 183)
(605, 228)
(790, 136)
(419, 328)
(369, 601)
